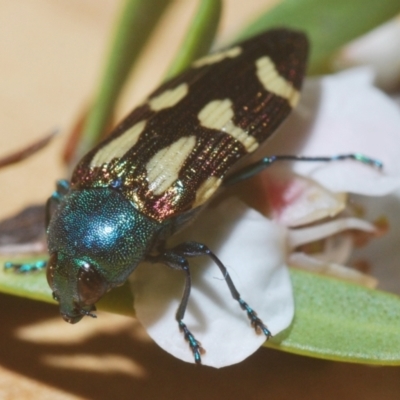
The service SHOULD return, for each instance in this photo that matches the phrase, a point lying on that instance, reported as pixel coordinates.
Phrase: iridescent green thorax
(101, 225)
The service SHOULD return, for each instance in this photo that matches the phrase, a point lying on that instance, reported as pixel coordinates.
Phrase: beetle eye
(50, 269)
(91, 285)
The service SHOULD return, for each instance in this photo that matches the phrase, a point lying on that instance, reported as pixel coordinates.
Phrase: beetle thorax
(101, 226)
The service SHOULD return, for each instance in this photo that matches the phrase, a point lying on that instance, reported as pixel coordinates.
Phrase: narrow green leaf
(334, 320)
(330, 24)
(34, 286)
(118, 301)
(138, 18)
(199, 37)
(340, 321)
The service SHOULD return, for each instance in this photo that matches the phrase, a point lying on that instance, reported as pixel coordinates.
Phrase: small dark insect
(161, 165)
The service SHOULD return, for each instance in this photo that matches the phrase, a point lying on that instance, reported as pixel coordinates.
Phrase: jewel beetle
(159, 167)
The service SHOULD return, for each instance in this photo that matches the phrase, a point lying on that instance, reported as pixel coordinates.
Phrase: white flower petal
(343, 114)
(298, 237)
(383, 254)
(253, 249)
(293, 200)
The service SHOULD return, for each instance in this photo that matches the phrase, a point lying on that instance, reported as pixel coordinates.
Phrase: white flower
(353, 116)
(343, 114)
(338, 114)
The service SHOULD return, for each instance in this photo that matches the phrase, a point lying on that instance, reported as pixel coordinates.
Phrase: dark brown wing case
(172, 152)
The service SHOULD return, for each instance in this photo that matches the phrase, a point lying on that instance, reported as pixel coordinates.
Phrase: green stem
(138, 18)
(199, 37)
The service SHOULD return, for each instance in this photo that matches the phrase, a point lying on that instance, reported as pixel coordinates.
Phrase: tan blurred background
(51, 54)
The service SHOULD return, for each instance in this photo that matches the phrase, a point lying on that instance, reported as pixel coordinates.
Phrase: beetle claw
(194, 344)
(255, 322)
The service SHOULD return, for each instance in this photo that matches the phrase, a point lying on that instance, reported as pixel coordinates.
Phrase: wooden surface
(50, 57)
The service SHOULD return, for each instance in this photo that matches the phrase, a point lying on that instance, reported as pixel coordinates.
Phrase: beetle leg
(194, 249)
(255, 168)
(62, 187)
(25, 268)
(179, 262)
(176, 258)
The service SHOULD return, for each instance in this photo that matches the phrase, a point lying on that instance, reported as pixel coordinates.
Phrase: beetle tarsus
(25, 268)
(194, 344)
(255, 322)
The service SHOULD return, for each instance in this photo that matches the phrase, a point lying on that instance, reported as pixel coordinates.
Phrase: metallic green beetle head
(77, 286)
(96, 238)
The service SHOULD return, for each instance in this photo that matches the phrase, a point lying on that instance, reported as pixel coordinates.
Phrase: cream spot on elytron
(169, 98)
(217, 57)
(119, 146)
(218, 114)
(274, 83)
(206, 190)
(163, 168)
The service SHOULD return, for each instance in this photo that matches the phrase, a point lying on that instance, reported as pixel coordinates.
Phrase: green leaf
(34, 286)
(330, 24)
(336, 320)
(199, 37)
(138, 18)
